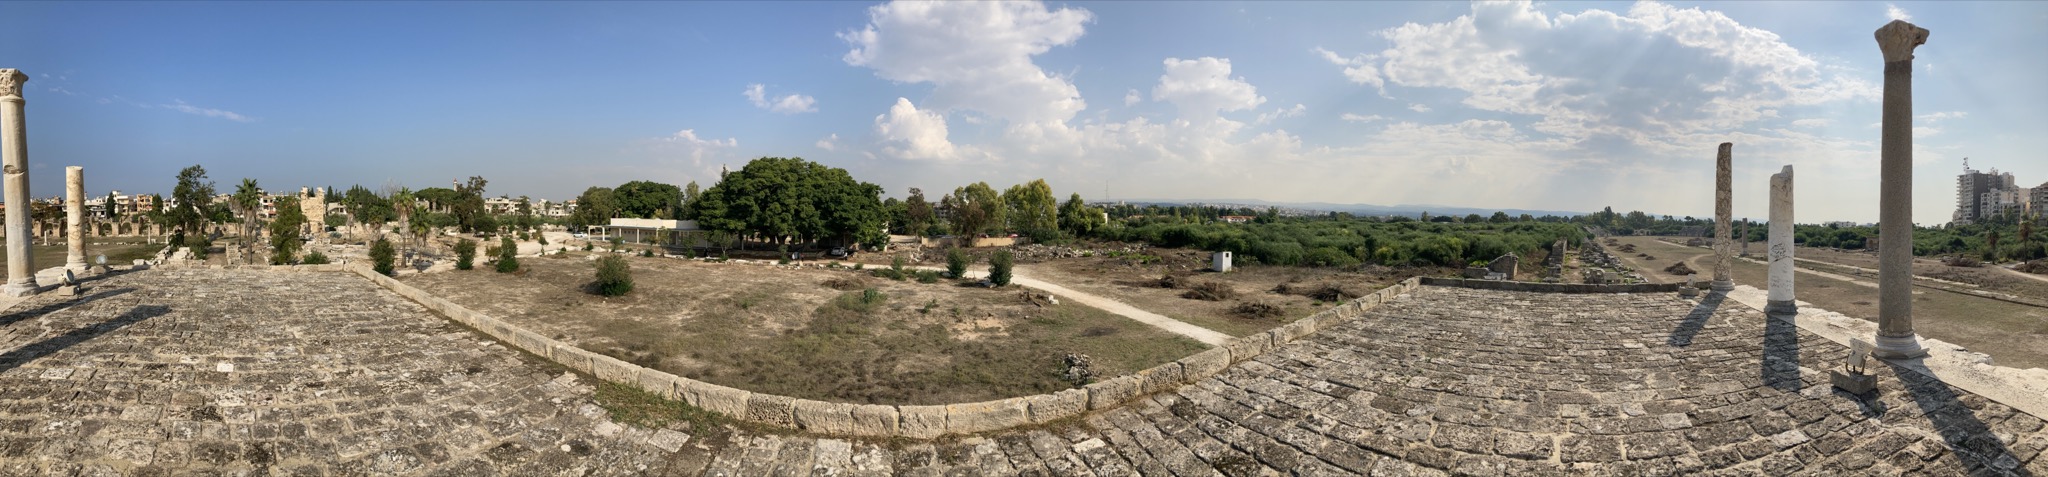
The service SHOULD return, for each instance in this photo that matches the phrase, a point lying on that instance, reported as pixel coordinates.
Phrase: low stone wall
(1552, 287)
(876, 420)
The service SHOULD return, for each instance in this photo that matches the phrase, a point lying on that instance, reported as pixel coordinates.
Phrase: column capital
(10, 82)
(1898, 38)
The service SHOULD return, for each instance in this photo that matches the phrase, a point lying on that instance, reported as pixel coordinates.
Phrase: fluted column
(21, 272)
(1895, 338)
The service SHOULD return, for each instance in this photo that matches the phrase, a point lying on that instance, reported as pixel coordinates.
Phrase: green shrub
(382, 255)
(782, 255)
(588, 247)
(465, 254)
(957, 262)
(896, 268)
(999, 268)
(647, 253)
(315, 258)
(616, 243)
(199, 244)
(927, 276)
(614, 276)
(508, 255)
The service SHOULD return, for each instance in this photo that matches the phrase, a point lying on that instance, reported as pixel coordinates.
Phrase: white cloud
(1942, 116)
(1132, 98)
(1812, 123)
(915, 134)
(180, 106)
(1646, 79)
(1418, 107)
(1281, 113)
(829, 143)
(1357, 118)
(1896, 13)
(786, 104)
(977, 55)
(685, 151)
(1202, 87)
(1359, 69)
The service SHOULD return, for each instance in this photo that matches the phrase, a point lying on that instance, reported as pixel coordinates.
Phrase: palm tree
(247, 199)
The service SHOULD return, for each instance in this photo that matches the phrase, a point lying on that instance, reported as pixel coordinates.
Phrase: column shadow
(1780, 366)
(23, 355)
(1969, 438)
(1696, 319)
(38, 312)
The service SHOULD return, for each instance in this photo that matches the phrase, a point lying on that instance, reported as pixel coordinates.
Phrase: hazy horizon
(1551, 106)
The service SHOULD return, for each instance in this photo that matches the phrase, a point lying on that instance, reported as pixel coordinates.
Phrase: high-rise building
(1971, 188)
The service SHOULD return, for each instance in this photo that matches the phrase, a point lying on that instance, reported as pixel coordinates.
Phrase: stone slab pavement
(226, 372)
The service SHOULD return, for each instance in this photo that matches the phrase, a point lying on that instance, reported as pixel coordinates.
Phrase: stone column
(74, 219)
(1780, 253)
(1724, 208)
(21, 272)
(1895, 338)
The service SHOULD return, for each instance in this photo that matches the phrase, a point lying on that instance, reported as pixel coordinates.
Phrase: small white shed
(1220, 261)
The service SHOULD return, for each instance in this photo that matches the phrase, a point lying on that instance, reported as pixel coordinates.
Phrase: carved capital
(1898, 38)
(10, 81)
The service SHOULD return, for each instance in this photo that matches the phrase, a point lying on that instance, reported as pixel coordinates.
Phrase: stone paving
(200, 372)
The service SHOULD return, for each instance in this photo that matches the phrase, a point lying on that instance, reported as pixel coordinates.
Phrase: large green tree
(194, 195)
(1077, 218)
(791, 199)
(917, 212)
(284, 232)
(595, 207)
(1032, 209)
(468, 206)
(247, 199)
(648, 200)
(976, 209)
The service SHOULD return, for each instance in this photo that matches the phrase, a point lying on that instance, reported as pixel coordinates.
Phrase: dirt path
(1019, 277)
(2022, 274)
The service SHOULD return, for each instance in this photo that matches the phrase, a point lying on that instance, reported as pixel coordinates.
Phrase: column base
(1724, 284)
(1898, 347)
(20, 289)
(1781, 307)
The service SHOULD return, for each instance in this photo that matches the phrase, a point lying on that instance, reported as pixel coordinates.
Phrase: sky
(1555, 106)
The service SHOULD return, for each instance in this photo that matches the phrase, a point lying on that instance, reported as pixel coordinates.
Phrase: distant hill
(1410, 210)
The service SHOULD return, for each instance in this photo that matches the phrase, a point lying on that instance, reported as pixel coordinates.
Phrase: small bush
(616, 243)
(465, 254)
(862, 302)
(614, 276)
(858, 265)
(1256, 310)
(999, 268)
(927, 276)
(896, 264)
(1168, 281)
(1210, 291)
(889, 273)
(1330, 292)
(543, 239)
(315, 258)
(1962, 261)
(647, 253)
(846, 283)
(382, 255)
(587, 246)
(508, 259)
(957, 262)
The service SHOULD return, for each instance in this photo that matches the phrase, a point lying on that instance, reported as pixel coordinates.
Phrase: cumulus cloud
(785, 104)
(1281, 113)
(1360, 118)
(915, 134)
(1359, 68)
(1647, 77)
(179, 105)
(1896, 13)
(1202, 87)
(1812, 123)
(977, 55)
(1132, 98)
(1418, 107)
(829, 143)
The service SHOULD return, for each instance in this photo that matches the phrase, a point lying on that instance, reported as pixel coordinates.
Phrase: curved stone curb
(879, 420)
(1552, 287)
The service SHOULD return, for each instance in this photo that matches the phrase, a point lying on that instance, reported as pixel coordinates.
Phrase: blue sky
(1567, 105)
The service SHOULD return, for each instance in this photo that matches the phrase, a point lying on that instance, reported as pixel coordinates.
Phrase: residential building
(1971, 188)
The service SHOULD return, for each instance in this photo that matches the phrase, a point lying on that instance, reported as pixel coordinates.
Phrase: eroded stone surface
(351, 380)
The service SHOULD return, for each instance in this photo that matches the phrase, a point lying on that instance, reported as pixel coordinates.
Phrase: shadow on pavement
(1696, 319)
(1968, 437)
(25, 354)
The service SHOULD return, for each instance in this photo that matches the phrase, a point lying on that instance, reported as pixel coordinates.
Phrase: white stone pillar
(1724, 210)
(1780, 253)
(1895, 338)
(74, 219)
(21, 272)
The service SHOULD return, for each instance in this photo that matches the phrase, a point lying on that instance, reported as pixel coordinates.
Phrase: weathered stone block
(922, 422)
(573, 357)
(874, 420)
(1109, 393)
(1289, 332)
(658, 382)
(533, 343)
(823, 417)
(1066, 403)
(1159, 378)
(611, 369)
(714, 398)
(771, 409)
(1202, 365)
(1854, 383)
(1245, 347)
(986, 416)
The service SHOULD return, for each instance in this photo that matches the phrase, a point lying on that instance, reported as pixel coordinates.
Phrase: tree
(465, 254)
(247, 199)
(1991, 244)
(957, 262)
(1473, 218)
(1077, 218)
(690, 195)
(648, 200)
(468, 206)
(508, 255)
(193, 197)
(898, 214)
(614, 276)
(284, 232)
(365, 207)
(1499, 217)
(999, 267)
(595, 207)
(976, 209)
(791, 199)
(1032, 210)
(917, 213)
(382, 256)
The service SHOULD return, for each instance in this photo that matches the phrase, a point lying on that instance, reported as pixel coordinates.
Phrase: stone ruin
(1553, 265)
